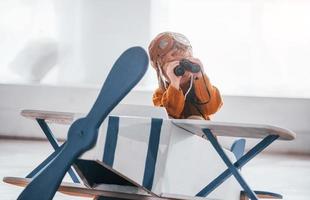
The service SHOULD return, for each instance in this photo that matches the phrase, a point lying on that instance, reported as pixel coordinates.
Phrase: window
(24, 24)
(252, 48)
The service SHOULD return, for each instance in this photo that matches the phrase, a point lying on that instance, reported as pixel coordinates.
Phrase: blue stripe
(111, 141)
(151, 157)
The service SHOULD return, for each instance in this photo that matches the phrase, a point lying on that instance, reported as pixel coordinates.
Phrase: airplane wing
(104, 190)
(233, 129)
(120, 110)
(50, 116)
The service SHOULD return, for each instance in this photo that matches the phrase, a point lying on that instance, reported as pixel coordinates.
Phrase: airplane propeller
(82, 135)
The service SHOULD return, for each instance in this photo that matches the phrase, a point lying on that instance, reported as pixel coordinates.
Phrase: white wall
(252, 47)
(90, 35)
(94, 33)
(289, 113)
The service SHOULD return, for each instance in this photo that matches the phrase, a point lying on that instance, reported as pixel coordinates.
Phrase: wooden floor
(285, 174)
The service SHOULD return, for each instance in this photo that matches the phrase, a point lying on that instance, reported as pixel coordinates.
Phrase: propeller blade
(82, 135)
(118, 82)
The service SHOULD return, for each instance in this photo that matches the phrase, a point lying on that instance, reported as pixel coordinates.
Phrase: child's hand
(169, 70)
(197, 61)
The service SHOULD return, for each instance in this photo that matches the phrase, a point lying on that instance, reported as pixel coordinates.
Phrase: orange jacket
(179, 107)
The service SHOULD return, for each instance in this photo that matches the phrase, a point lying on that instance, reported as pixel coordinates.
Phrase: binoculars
(186, 65)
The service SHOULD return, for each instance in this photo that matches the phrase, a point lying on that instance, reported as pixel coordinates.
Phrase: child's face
(177, 55)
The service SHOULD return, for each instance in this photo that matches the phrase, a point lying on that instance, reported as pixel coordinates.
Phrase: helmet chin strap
(190, 87)
(162, 77)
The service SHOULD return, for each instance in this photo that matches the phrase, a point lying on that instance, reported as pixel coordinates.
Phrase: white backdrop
(248, 47)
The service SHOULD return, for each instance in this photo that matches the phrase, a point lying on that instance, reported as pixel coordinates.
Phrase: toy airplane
(137, 152)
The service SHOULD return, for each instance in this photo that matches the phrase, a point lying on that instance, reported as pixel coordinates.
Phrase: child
(190, 95)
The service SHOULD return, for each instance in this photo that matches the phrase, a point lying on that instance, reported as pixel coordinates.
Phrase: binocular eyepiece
(186, 65)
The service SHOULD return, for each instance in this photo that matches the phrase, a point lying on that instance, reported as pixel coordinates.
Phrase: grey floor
(285, 174)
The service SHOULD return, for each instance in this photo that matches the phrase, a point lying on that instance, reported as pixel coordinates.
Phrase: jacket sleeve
(172, 99)
(214, 99)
